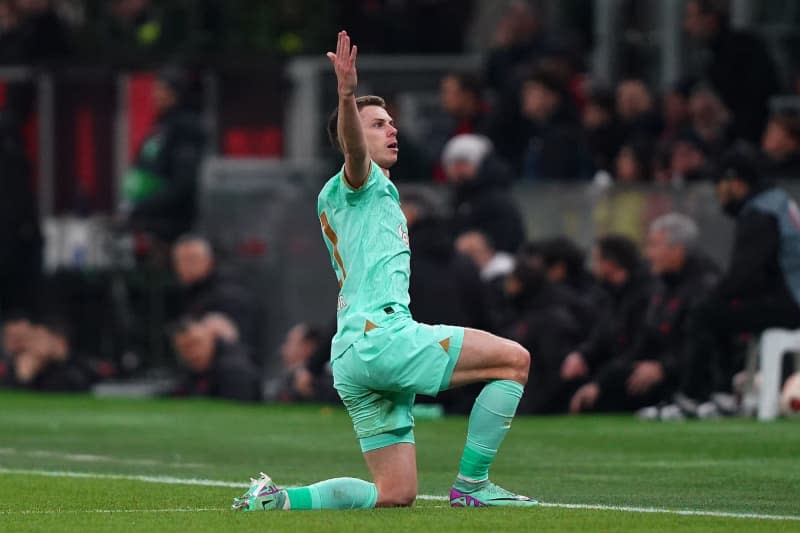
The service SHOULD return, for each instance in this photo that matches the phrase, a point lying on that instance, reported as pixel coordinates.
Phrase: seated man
(760, 289)
(616, 264)
(217, 365)
(205, 290)
(648, 371)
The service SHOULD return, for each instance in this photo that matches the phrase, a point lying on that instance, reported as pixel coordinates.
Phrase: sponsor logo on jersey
(403, 234)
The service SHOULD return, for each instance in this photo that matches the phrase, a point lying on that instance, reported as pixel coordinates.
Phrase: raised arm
(351, 134)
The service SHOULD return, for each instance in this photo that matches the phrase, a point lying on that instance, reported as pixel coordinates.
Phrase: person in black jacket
(617, 265)
(543, 320)
(217, 364)
(556, 147)
(647, 373)
(204, 289)
(482, 200)
(160, 188)
(738, 66)
(759, 290)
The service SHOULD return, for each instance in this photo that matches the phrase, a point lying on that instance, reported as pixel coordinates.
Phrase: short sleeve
(354, 195)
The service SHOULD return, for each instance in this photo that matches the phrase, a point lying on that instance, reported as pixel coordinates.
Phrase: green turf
(737, 466)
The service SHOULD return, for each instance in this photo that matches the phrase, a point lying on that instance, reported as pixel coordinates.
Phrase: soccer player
(380, 356)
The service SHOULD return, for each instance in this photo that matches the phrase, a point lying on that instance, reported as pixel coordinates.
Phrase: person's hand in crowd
(574, 367)
(303, 383)
(646, 374)
(584, 398)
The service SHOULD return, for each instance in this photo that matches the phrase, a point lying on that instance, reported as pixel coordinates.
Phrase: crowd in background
(661, 329)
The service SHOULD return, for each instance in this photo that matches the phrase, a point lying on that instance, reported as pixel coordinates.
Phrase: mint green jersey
(367, 238)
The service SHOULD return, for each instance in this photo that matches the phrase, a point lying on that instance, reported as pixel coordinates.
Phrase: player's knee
(396, 497)
(521, 363)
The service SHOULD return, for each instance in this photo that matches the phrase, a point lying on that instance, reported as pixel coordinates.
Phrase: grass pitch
(74, 463)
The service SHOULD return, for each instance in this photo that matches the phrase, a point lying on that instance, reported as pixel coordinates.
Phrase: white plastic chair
(774, 344)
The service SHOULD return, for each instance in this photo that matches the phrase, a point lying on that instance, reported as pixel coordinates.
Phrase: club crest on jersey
(340, 303)
(403, 234)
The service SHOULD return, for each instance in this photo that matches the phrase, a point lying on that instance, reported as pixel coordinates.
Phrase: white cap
(466, 147)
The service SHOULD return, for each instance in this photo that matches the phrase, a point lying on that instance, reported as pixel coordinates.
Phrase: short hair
(679, 229)
(563, 250)
(469, 83)
(191, 238)
(789, 121)
(620, 250)
(333, 119)
(549, 81)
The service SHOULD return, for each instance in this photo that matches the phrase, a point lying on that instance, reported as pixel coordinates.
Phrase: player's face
(381, 135)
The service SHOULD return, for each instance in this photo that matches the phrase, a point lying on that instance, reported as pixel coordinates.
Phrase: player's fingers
(346, 42)
(353, 55)
(332, 57)
(339, 45)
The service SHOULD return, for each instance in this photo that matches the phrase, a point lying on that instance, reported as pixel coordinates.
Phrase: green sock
(488, 424)
(338, 493)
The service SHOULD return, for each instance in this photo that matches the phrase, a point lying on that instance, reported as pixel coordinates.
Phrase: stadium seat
(773, 345)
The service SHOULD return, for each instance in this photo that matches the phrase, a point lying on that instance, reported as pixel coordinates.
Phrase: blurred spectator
(648, 371)
(760, 289)
(41, 358)
(738, 66)
(618, 267)
(781, 146)
(204, 289)
(517, 43)
(688, 160)
(160, 188)
(216, 363)
(541, 320)
(20, 234)
(710, 120)
(445, 286)
(482, 200)
(604, 134)
(296, 381)
(461, 98)
(493, 264)
(556, 148)
(564, 264)
(634, 163)
(675, 111)
(31, 32)
(637, 111)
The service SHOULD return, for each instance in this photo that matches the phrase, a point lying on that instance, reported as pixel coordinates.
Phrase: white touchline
(169, 480)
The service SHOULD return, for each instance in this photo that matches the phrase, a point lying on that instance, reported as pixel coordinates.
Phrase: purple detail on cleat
(461, 499)
(271, 489)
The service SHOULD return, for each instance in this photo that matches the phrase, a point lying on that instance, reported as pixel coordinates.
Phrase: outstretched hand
(344, 64)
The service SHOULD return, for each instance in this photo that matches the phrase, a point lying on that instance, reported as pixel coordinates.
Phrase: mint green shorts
(379, 376)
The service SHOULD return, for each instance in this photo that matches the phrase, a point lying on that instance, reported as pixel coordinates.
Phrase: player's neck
(385, 171)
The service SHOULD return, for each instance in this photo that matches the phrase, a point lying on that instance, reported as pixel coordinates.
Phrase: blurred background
(160, 161)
